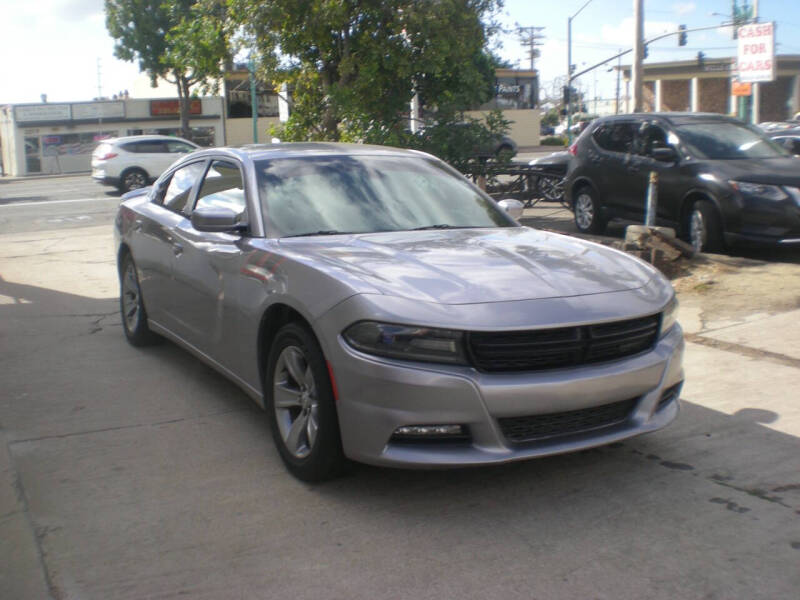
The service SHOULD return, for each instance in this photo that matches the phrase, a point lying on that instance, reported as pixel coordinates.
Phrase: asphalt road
(141, 473)
(52, 203)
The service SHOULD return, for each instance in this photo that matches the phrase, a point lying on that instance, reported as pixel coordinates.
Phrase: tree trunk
(183, 105)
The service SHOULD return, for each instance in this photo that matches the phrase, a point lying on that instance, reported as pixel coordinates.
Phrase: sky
(53, 46)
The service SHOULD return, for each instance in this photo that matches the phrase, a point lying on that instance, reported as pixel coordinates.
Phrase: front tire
(588, 214)
(705, 227)
(131, 306)
(300, 406)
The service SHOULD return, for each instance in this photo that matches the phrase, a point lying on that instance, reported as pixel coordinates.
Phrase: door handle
(177, 248)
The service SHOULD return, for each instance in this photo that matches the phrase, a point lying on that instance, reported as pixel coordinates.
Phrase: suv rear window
(151, 146)
(615, 137)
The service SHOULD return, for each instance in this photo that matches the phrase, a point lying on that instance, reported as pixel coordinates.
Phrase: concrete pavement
(128, 473)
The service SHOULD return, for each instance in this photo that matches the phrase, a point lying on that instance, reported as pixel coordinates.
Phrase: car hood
(467, 266)
(774, 171)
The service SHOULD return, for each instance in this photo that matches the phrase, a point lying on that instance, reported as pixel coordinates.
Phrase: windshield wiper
(437, 226)
(320, 232)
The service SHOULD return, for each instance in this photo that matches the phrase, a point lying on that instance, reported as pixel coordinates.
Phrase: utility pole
(99, 81)
(638, 54)
(619, 73)
(530, 37)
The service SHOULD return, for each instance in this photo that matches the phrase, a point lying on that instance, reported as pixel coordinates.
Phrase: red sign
(159, 108)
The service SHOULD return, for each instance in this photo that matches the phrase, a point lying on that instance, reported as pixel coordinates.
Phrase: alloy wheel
(130, 297)
(698, 233)
(135, 180)
(584, 211)
(296, 403)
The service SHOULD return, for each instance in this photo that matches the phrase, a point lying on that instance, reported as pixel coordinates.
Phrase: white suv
(137, 160)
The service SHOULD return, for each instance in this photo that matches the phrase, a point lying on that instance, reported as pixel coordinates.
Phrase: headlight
(407, 342)
(670, 316)
(769, 192)
(794, 193)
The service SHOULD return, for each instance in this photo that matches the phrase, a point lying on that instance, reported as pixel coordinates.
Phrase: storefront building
(705, 85)
(55, 138)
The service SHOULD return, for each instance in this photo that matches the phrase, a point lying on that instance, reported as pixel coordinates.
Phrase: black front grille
(670, 394)
(539, 427)
(562, 347)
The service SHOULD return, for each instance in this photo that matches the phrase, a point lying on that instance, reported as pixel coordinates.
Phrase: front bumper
(376, 396)
(762, 222)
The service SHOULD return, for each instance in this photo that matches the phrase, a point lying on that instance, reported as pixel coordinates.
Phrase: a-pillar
(694, 94)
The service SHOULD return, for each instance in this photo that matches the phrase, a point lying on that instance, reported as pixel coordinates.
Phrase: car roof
(673, 118)
(145, 138)
(256, 152)
(792, 131)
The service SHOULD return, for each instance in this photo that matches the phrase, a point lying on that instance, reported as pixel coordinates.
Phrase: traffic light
(682, 35)
(566, 95)
(646, 51)
(701, 58)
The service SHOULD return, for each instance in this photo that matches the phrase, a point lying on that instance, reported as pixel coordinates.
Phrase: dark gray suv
(720, 182)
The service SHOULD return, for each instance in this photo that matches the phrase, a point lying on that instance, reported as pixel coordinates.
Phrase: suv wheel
(132, 179)
(588, 216)
(705, 228)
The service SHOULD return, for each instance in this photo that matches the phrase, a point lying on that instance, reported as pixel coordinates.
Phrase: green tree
(354, 65)
(182, 41)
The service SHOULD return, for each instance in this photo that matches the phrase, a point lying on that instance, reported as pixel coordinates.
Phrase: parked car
(719, 182)
(550, 184)
(133, 162)
(382, 308)
(501, 146)
(788, 138)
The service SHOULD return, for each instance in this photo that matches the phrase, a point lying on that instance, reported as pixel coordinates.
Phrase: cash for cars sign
(756, 61)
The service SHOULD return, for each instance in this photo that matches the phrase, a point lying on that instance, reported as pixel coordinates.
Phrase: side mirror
(219, 220)
(513, 207)
(667, 154)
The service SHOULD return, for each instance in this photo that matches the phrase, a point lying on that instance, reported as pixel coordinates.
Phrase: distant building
(53, 138)
(704, 85)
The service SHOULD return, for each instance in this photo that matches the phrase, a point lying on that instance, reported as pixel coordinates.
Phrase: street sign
(741, 89)
(756, 59)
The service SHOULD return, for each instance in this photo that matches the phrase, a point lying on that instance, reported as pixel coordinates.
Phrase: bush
(553, 140)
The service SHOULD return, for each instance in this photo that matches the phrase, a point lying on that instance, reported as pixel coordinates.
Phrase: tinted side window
(179, 147)
(148, 147)
(650, 137)
(222, 188)
(180, 186)
(615, 137)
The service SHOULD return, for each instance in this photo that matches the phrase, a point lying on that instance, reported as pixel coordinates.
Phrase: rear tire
(588, 214)
(132, 179)
(704, 227)
(131, 306)
(298, 397)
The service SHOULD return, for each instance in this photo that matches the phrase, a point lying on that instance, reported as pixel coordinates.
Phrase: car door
(650, 136)
(610, 162)
(154, 246)
(148, 155)
(207, 265)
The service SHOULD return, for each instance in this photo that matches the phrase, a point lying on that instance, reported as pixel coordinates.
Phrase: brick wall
(775, 97)
(714, 95)
(675, 95)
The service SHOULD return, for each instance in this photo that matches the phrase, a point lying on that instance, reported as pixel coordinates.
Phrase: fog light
(430, 431)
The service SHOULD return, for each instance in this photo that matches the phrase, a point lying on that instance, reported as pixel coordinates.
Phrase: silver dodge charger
(383, 309)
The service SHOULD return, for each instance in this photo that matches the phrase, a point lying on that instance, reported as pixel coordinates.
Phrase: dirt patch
(732, 287)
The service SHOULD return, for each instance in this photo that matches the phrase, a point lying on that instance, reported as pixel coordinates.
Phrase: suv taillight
(107, 156)
(573, 150)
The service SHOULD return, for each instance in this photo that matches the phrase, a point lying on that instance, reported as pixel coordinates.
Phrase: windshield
(321, 195)
(725, 141)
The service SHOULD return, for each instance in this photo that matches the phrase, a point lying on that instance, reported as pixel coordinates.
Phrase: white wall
(525, 124)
